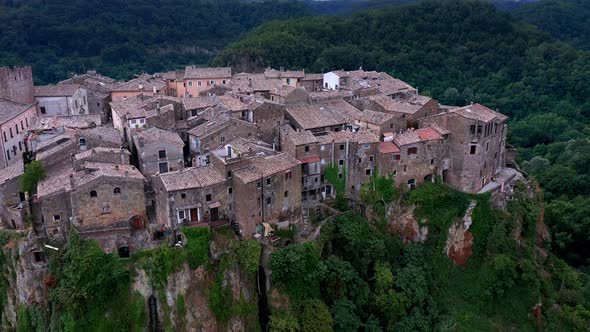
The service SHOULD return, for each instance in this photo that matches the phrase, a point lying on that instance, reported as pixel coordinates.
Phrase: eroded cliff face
(23, 274)
(188, 302)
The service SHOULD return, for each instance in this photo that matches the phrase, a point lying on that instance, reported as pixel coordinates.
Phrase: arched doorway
(123, 251)
(137, 222)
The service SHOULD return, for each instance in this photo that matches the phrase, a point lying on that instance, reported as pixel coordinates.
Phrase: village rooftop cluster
(130, 163)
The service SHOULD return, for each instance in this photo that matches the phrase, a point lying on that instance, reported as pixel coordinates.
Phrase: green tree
(315, 316)
(34, 172)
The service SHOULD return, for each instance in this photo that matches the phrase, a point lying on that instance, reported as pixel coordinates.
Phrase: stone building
(215, 133)
(418, 156)
(380, 122)
(476, 139)
(15, 119)
(312, 82)
(195, 196)
(268, 191)
(286, 77)
(333, 115)
(64, 99)
(13, 205)
(409, 108)
(104, 202)
(267, 116)
(287, 95)
(98, 91)
(16, 85)
(158, 151)
(143, 85)
(142, 111)
(197, 79)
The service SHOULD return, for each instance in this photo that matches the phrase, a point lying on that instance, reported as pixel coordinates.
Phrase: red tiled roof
(427, 134)
(388, 147)
(310, 160)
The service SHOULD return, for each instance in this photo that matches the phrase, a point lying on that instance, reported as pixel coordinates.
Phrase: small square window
(230, 190)
(258, 184)
(341, 147)
(208, 198)
(182, 195)
(368, 171)
(340, 162)
(397, 157)
(287, 193)
(473, 149)
(371, 158)
(307, 148)
(56, 217)
(162, 154)
(268, 200)
(268, 181)
(412, 150)
(228, 174)
(340, 175)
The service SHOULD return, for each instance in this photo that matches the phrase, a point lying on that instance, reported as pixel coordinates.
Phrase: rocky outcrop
(460, 240)
(409, 229)
(24, 275)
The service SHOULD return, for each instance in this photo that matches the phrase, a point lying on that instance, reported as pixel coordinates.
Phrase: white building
(65, 99)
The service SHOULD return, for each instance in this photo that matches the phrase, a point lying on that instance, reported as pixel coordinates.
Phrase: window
(268, 181)
(93, 193)
(208, 198)
(56, 217)
(20, 146)
(412, 150)
(472, 129)
(394, 173)
(8, 154)
(287, 193)
(405, 168)
(82, 141)
(16, 127)
(27, 122)
(391, 125)
(340, 175)
(288, 81)
(5, 139)
(162, 154)
(323, 147)
(11, 136)
(182, 195)
(39, 256)
(431, 161)
(368, 171)
(117, 191)
(222, 139)
(223, 81)
(228, 174)
(199, 83)
(268, 200)
(479, 130)
(371, 158)
(397, 157)
(181, 214)
(323, 161)
(43, 110)
(211, 82)
(472, 149)
(163, 167)
(76, 103)
(307, 148)
(258, 184)
(341, 162)
(360, 160)
(341, 147)
(288, 175)
(230, 190)
(190, 83)
(487, 146)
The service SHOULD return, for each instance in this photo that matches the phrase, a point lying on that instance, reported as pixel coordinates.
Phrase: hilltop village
(130, 163)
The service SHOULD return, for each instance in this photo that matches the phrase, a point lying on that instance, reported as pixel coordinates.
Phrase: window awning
(214, 205)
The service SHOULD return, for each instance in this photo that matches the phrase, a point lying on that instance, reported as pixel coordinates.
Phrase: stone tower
(16, 84)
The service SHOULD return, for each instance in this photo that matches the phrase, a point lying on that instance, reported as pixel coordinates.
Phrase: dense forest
(461, 52)
(567, 20)
(122, 38)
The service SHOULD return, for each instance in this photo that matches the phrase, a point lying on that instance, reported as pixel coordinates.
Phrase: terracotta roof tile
(191, 178)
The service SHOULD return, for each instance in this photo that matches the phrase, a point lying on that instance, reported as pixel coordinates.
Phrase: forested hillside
(122, 38)
(461, 52)
(567, 20)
